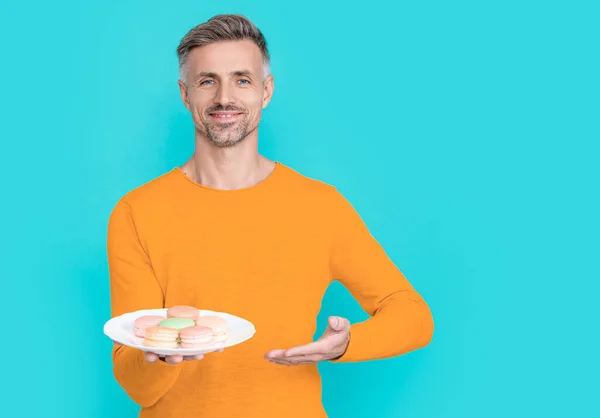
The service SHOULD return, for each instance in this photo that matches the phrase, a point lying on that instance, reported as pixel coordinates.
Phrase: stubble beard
(226, 135)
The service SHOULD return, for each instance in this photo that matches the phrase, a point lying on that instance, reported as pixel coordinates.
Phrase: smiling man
(232, 231)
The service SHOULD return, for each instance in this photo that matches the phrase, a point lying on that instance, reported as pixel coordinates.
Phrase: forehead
(225, 57)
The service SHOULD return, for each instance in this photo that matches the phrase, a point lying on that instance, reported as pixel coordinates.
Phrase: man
(232, 231)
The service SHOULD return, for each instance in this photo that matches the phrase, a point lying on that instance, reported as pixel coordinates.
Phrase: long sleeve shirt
(266, 253)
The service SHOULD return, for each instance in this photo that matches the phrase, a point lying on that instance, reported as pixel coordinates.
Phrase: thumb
(339, 324)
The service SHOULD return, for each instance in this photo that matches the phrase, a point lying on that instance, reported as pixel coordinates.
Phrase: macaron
(217, 324)
(176, 323)
(183, 311)
(196, 337)
(146, 321)
(161, 337)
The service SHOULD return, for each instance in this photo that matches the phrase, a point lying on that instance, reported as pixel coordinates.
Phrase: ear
(268, 90)
(184, 95)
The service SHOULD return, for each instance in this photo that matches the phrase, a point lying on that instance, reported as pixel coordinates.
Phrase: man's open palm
(331, 345)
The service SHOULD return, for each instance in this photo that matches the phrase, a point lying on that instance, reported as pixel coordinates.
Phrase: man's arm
(133, 286)
(400, 320)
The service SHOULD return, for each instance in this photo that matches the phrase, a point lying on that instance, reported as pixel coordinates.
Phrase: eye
(206, 82)
(244, 82)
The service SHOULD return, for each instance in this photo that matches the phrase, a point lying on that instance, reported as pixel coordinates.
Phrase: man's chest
(249, 266)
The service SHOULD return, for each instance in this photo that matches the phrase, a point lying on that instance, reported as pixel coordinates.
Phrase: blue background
(465, 133)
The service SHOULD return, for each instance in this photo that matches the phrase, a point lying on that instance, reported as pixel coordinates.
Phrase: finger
(300, 360)
(151, 357)
(280, 362)
(193, 358)
(317, 347)
(274, 354)
(174, 359)
(339, 324)
(315, 358)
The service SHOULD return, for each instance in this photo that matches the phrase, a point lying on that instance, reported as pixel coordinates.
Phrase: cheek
(198, 105)
(196, 98)
(255, 104)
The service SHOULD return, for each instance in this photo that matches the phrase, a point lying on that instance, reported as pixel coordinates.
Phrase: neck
(232, 168)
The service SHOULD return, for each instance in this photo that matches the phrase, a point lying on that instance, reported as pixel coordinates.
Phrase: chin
(226, 142)
(230, 138)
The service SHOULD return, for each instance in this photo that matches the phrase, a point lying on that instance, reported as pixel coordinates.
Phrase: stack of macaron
(183, 327)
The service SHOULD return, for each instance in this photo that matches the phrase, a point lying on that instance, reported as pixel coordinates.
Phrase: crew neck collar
(271, 178)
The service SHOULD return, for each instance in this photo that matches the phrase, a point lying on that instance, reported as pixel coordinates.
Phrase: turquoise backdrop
(464, 132)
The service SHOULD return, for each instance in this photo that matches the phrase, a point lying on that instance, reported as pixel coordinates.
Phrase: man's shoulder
(150, 193)
(300, 182)
(308, 190)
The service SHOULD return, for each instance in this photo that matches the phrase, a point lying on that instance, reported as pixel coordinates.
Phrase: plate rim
(180, 351)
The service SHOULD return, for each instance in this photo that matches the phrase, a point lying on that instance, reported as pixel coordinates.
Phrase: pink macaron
(161, 337)
(183, 311)
(143, 322)
(217, 324)
(196, 337)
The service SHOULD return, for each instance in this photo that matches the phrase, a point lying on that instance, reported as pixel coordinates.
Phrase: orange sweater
(266, 253)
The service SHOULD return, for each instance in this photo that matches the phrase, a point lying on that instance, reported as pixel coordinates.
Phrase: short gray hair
(224, 27)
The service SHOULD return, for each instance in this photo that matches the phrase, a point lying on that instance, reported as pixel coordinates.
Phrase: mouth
(225, 116)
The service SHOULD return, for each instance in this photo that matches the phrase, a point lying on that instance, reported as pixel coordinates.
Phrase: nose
(223, 94)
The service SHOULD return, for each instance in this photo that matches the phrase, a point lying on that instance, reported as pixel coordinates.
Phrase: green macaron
(177, 323)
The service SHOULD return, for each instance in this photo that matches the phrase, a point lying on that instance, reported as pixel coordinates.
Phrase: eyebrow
(238, 73)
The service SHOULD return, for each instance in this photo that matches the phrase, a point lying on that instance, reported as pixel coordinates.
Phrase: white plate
(120, 330)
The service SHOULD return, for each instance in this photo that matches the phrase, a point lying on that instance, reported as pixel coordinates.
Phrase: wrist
(343, 350)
